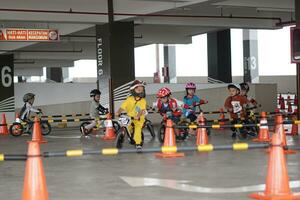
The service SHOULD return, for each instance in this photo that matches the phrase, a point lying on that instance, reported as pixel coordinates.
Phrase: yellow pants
(138, 126)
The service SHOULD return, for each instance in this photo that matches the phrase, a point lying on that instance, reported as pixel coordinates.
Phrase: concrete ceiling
(170, 22)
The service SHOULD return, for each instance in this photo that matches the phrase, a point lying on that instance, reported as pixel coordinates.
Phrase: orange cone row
(35, 187)
(279, 128)
(277, 180)
(202, 138)
(263, 135)
(222, 117)
(110, 131)
(37, 132)
(169, 146)
(3, 127)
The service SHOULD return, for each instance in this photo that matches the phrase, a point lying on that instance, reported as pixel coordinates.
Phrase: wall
(285, 84)
(53, 93)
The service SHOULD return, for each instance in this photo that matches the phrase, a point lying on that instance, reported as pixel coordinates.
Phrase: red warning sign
(15, 34)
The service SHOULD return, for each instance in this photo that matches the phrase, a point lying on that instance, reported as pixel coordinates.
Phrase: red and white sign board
(32, 35)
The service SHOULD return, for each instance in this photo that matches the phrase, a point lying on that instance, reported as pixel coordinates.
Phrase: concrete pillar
(115, 55)
(7, 98)
(250, 56)
(54, 74)
(65, 72)
(20, 79)
(297, 15)
(219, 55)
(170, 64)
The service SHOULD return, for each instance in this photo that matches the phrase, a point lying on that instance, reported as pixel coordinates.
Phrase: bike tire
(150, 128)
(183, 135)
(208, 131)
(83, 124)
(120, 139)
(116, 126)
(161, 133)
(16, 129)
(45, 128)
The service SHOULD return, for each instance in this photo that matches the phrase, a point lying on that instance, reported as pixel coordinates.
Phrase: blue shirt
(190, 102)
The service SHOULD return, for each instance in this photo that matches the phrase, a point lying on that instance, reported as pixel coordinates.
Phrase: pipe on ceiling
(138, 15)
(91, 36)
(286, 23)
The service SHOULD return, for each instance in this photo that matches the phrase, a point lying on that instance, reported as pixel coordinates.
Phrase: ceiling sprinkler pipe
(42, 51)
(286, 23)
(138, 15)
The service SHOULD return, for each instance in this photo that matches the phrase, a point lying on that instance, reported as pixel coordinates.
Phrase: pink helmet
(163, 92)
(190, 85)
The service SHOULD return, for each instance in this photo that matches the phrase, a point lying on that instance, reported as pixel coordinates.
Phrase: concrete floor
(99, 177)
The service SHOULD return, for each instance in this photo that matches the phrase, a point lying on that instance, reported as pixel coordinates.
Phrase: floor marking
(183, 186)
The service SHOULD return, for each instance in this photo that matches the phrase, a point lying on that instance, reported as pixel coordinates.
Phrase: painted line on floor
(63, 137)
(183, 186)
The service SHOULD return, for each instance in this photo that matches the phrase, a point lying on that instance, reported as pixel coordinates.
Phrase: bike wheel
(150, 128)
(16, 129)
(208, 131)
(183, 135)
(161, 133)
(46, 128)
(130, 136)
(83, 124)
(116, 126)
(120, 139)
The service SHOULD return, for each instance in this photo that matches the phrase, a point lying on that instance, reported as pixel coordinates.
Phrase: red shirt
(171, 105)
(236, 104)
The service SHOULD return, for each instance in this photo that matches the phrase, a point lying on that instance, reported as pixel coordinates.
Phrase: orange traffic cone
(295, 100)
(277, 181)
(263, 135)
(169, 149)
(3, 127)
(295, 126)
(279, 128)
(222, 117)
(282, 105)
(109, 132)
(37, 133)
(295, 130)
(35, 187)
(202, 138)
(290, 110)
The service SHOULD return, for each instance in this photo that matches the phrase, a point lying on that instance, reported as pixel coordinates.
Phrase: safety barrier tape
(57, 121)
(192, 125)
(218, 126)
(115, 151)
(63, 116)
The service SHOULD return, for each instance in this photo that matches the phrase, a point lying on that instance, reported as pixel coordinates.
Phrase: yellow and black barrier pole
(218, 126)
(13, 157)
(62, 116)
(115, 151)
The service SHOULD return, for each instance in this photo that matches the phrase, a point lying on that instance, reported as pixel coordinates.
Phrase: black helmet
(236, 86)
(136, 84)
(244, 86)
(95, 92)
(28, 96)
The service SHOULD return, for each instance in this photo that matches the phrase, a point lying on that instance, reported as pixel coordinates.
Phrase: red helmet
(190, 85)
(163, 92)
